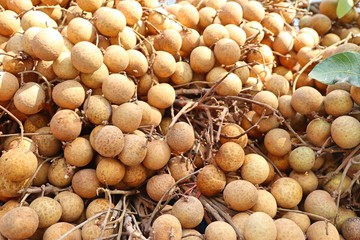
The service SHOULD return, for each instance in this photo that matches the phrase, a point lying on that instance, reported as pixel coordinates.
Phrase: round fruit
(211, 180)
(338, 102)
(321, 203)
(47, 44)
(265, 97)
(202, 59)
(189, 211)
(134, 151)
(277, 142)
(265, 203)
(255, 168)
(318, 131)
(180, 137)
(85, 183)
(219, 230)
(71, 204)
(30, 98)
(248, 192)
(345, 131)
(230, 156)
(166, 227)
(306, 100)
(159, 185)
(86, 57)
(57, 230)
(66, 125)
(110, 171)
(351, 228)
(322, 230)
(48, 210)
(259, 225)
(287, 192)
(127, 117)
(9, 84)
(68, 94)
(302, 159)
(287, 229)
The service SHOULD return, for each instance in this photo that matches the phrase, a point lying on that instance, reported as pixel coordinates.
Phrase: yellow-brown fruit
(263, 54)
(255, 168)
(206, 16)
(355, 94)
(168, 40)
(68, 94)
(318, 131)
(48, 145)
(306, 100)
(259, 225)
(190, 40)
(127, 117)
(110, 171)
(60, 173)
(342, 215)
(183, 73)
(214, 33)
(85, 183)
(202, 59)
(97, 205)
(210, 180)
(48, 210)
(253, 11)
(287, 192)
(265, 203)
(226, 51)
(118, 88)
(338, 102)
(47, 44)
(71, 204)
(164, 64)
(328, 8)
(273, 22)
(41, 176)
(29, 98)
(248, 192)
(302, 220)
(287, 229)
(303, 39)
(134, 151)
(19, 223)
(57, 230)
(116, 58)
(219, 230)
(161, 95)
(189, 211)
(278, 85)
(188, 15)
(180, 168)
(132, 11)
(109, 21)
(87, 32)
(320, 202)
(92, 230)
(285, 107)
(157, 155)
(231, 13)
(86, 57)
(230, 85)
(322, 230)
(308, 180)
(230, 131)
(302, 159)
(166, 227)
(97, 109)
(254, 31)
(329, 39)
(89, 5)
(320, 23)
(230, 156)
(265, 97)
(63, 67)
(351, 228)
(135, 176)
(9, 23)
(180, 137)
(236, 33)
(66, 125)
(277, 142)
(37, 19)
(160, 187)
(345, 131)
(333, 185)
(9, 84)
(108, 141)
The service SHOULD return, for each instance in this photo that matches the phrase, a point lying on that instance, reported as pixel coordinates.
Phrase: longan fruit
(302, 220)
(85, 183)
(214, 33)
(116, 58)
(19, 223)
(320, 202)
(278, 85)
(215, 4)
(66, 125)
(206, 16)
(138, 64)
(48, 210)
(109, 22)
(345, 131)
(318, 131)
(159, 185)
(132, 11)
(342, 215)
(134, 151)
(355, 94)
(45, 68)
(230, 131)
(265, 97)
(108, 141)
(248, 191)
(36, 19)
(263, 54)
(202, 59)
(333, 185)
(110, 171)
(30, 98)
(308, 180)
(210, 180)
(48, 145)
(231, 13)
(230, 84)
(260, 225)
(68, 94)
(303, 39)
(97, 205)
(161, 95)
(220, 230)
(27, 38)
(287, 192)
(135, 175)
(191, 234)
(183, 73)
(273, 22)
(285, 107)
(80, 29)
(188, 15)
(9, 23)
(164, 64)
(10, 189)
(89, 5)
(320, 23)
(97, 109)
(253, 11)
(287, 229)
(246, 124)
(338, 102)
(322, 230)
(165, 227)
(285, 72)
(351, 228)
(306, 100)
(118, 88)
(180, 168)
(47, 44)
(236, 33)
(329, 39)
(328, 8)
(227, 51)
(157, 155)
(282, 163)
(41, 176)
(254, 31)
(230, 156)
(60, 173)
(127, 117)
(302, 159)
(9, 85)
(255, 169)
(57, 230)
(71, 204)
(180, 137)
(86, 57)
(265, 203)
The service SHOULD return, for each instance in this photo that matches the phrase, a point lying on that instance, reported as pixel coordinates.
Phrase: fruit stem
(17, 121)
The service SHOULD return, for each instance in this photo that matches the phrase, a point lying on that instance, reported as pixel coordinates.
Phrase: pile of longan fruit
(139, 119)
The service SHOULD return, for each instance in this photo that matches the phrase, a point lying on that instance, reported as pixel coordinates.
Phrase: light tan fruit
(285, 107)
(9, 23)
(57, 230)
(80, 29)
(206, 16)
(85, 183)
(110, 171)
(71, 204)
(255, 168)
(230, 84)
(265, 97)
(161, 95)
(308, 180)
(191, 234)
(230, 131)
(254, 31)
(41, 176)
(96, 206)
(333, 185)
(219, 230)
(165, 227)
(48, 210)
(66, 125)
(79, 152)
(328, 8)
(29, 98)
(239, 220)
(320, 23)
(189, 211)
(60, 173)
(320, 202)
(302, 159)
(132, 11)
(118, 88)
(265, 203)
(355, 94)
(157, 155)
(188, 15)
(318, 131)
(287, 229)
(278, 85)
(338, 102)
(273, 22)
(135, 176)
(302, 220)
(214, 33)
(19, 223)
(287, 192)
(109, 22)
(190, 40)
(86, 57)
(180, 168)
(210, 180)
(138, 64)
(246, 189)
(127, 117)
(108, 141)
(202, 59)
(160, 187)
(68, 94)
(259, 225)
(277, 142)
(36, 19)
(306, 100)
(230, 156)
(47, 44)
(9, 84)
(226, 51)
(164, 64)
(322, 230)
(45, 68)
(180, 137)
(351, 228)
(48, 145)
(345, 131)
(236, 33)
(89, 5)
(97, 109)
(116, 58)
(231, 13)
(134, 151)
(183, 73)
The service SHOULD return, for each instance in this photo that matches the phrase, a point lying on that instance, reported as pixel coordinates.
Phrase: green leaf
(343, 7)
(341, 67)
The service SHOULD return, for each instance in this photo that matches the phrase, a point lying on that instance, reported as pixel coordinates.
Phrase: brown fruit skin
(287, 229)
(66, 125)
(351, 228)
(157, 155)
(79, 152)
(230, 156)
(219, 230)
(97, 205)
(9, 85)
(202, 59)
(134, 151)
(308, 181)
(85, 183)
(180, 137)
(248, 192)
(60, 173)
(345, 131)
(56, 230)
(306, 100)
(72, 206)
(259, 225)
(29, 98)
(68, 94)
(108, 141)
(277, 142)
(287, 192)
(19, 223)
(302, 220)
(302, 159)
(338, 102)
(322, 230)
(164, 225)
(265, 97)
(265, 203)
(161, 95)
(321, 203)
(110, 171)
(86, 57)
(48, 210)
(210, 180)
(189, 211)
(135, 176)
(158, 185)
(318, 131)
(255, 168)
(355, 94)
(231, 130)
